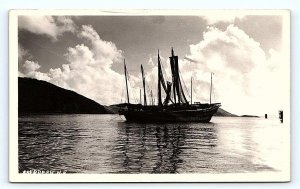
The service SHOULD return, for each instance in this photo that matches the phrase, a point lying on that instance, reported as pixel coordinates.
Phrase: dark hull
(193, 115)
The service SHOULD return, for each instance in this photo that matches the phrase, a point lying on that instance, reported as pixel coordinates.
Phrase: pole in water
(281, 115)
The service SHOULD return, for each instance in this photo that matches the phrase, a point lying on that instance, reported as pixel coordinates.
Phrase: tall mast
(140, 96)
(191, 90)
(151, 97)
(210, 87)
(159, 81)
(176, 69)
(144, 85)
(125, 70)
(172, 62)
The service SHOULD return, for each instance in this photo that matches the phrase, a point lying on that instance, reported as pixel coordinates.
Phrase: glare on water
(108, 144)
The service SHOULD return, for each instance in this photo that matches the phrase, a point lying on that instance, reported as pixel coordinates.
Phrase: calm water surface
(108, 144)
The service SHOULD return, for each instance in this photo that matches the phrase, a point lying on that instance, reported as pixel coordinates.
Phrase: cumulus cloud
(227, 18)
(47, 25)
(30, 66)
(88, 71)
(30, 69)
(243, 75)
(245, 79)
(107, 51)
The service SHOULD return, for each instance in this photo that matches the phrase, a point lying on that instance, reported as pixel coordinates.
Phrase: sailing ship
(174, 108)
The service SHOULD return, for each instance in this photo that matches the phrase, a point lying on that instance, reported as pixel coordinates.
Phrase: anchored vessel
(174, 108)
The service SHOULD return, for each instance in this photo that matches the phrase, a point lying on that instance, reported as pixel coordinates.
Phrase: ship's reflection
(157, 148)
(168, 146)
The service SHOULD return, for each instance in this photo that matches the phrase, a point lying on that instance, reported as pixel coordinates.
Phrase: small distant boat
(174, 108)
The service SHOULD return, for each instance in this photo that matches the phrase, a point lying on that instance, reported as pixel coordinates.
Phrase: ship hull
(195, 115)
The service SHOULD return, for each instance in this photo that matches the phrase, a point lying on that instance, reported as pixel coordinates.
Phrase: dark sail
(161, 82)
(177, 87)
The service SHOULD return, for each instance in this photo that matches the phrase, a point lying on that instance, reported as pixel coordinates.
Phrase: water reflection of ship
(150, 148)
(175, 107)
(168, 149)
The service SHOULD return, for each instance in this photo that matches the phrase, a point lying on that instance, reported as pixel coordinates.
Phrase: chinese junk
(174, 108)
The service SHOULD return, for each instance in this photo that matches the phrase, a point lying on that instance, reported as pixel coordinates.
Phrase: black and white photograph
(149, 96)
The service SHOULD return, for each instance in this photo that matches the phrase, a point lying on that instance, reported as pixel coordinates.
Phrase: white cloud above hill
(50, 26)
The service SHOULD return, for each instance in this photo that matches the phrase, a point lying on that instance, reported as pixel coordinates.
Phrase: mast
(173, 74)
(177, 86)
(151, 97)
(191, 90)
(159, 81)
(210, 87)
(140, 96)
(144, 85)
(176, 68)
(125, 70)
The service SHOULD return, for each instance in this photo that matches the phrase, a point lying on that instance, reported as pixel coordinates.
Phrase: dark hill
(41, 97)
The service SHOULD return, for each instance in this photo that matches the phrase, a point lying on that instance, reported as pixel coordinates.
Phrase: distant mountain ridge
(41, 97)
(224, 113)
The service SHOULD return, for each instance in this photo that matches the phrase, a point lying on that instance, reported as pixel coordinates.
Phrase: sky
(86, 53)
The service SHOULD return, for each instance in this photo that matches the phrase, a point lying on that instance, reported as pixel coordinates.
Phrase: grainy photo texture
(129, 96)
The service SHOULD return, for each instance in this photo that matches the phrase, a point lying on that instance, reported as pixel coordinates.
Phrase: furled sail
(161, 82)
(178, 93)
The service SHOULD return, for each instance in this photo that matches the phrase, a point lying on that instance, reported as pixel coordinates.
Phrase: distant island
(249, 116)
(224, 113)
(41, 97)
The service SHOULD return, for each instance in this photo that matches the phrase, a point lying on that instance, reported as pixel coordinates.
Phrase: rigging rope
(122, 93)
(164, 71)
(129, 86)
(187, 92)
